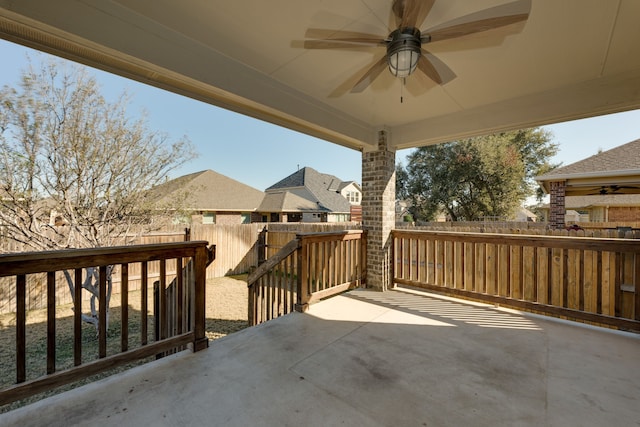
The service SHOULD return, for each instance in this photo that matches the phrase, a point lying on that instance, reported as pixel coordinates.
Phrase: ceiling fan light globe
(403, 63)
(403, 51)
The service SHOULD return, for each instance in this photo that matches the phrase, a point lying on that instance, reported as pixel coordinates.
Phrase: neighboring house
(402, 211)
(310, 196)
(210, 198)
(602, 208)
(603, 188)
(524, 215)
(351, 191)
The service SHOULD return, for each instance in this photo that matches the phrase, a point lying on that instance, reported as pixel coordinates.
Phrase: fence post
(302, 278)
(262, 246)
(200, 341)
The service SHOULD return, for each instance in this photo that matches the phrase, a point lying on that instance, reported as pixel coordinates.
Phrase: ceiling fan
(617, 189)
(404, 45)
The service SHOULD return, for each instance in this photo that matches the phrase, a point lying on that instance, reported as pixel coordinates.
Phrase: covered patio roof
(568, 60)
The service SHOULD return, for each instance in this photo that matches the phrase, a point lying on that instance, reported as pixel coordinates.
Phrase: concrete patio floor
(399, 358)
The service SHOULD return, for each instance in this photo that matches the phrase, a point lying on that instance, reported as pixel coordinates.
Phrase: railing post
(302, 278)
(200, 341)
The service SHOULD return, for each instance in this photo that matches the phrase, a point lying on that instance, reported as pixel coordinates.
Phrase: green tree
(75, 169)
(487, 176)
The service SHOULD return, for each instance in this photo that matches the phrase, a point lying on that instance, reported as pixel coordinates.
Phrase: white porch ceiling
(571, 59)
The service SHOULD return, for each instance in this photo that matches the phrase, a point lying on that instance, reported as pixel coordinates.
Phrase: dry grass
(226, 312)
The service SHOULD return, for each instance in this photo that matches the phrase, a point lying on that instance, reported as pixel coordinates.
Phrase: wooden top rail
(265, 267)
(562, 242)
(35, 262)
(330, 236)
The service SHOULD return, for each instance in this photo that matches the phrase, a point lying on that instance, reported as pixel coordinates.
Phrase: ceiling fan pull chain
(404, 82)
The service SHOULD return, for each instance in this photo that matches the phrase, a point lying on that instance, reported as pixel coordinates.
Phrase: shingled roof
(210, 191)
(320, 188)
(622, 158)
(615, 171)
(285, 201)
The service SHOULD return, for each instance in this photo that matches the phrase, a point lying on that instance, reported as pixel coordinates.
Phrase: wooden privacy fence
(308, 268)
(587, 279)
(20, 266)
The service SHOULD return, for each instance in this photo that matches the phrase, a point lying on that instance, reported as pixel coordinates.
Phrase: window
(208, 218)
(353, 196)
(245, 218)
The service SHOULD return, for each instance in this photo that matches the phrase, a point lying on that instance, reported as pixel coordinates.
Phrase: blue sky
(260, 154)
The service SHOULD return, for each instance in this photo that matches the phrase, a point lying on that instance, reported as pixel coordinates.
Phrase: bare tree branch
(75, 168)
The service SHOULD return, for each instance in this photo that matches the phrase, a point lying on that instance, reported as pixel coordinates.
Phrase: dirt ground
(226, 307)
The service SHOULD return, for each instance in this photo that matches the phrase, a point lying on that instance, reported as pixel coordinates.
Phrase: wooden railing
(308, 268)
(22, 266)
(586, 279)
(172, 308)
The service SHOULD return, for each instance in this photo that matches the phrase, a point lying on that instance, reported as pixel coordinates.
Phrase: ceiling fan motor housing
(403, 51)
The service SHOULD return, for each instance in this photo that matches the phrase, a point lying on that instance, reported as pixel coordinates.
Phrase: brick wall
(378, 211)
(557, 204)
(624, 214)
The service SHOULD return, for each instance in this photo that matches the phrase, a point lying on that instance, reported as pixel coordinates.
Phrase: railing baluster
(144, 298)
(279, 286)
(599, 283)
(636, 284)
(21, 328)
(51, 322)
(77, 317)
(618, 284)
(399, 258)
(582, 281)
(180, 294)
(565, 278)
(336, 261)
(162, 317)
(292, 283)
(102, 313)
(124, 307)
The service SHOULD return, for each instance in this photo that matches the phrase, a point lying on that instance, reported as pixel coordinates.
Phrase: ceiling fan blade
(484, 20)
(333, 44)
(345, 36)
(370, 75)
(411, 13)
(435, 69)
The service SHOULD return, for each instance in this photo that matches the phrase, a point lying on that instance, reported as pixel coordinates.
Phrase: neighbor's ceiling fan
(404, 51)
(617, 189)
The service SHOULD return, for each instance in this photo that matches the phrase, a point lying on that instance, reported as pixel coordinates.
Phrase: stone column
(378, 211)
(556, 204)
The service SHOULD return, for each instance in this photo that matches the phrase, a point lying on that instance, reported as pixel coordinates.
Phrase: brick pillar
(557, 207)
(378, 211)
